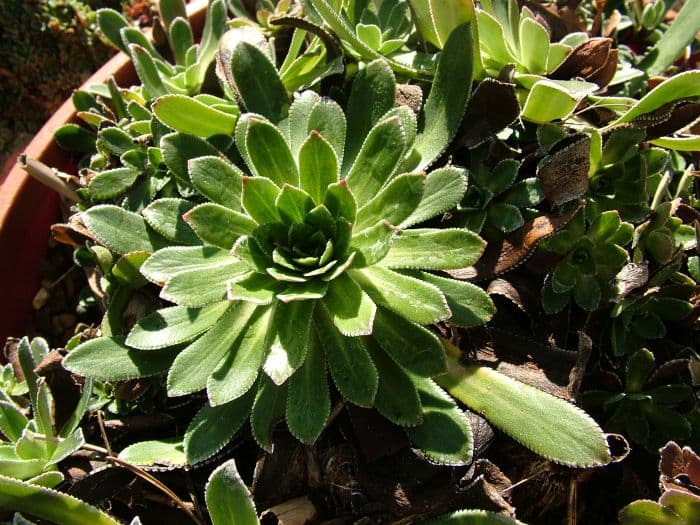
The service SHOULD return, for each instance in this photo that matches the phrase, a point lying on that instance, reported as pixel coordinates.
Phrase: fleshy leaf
(193, 366)
(563, 433)
(348, 360)
(188, 115)
(444, 189)
(372, 244)
(237, 373)
(308, 397)
(218, 225)
(268, 153)
(165, 263)
(445, 436)
(394, 203)
(288, 339)
(213, 427)
(268, 409)
(218, 180)
(109, 184)
(121, 231)
(229, 501)
(109, 359)
(350, 308)
(434, 249)
(165, 217)
(259, 196)
(469, 304)
(411, 298)
(473, 517)
(409, 345)
(174, 325)
(318, 166)
(168, 453)
(201, 286)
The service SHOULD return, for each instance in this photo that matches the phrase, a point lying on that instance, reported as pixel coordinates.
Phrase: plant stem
(145, 476)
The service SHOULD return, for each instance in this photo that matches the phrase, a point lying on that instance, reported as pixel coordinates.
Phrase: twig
(47, 177)
(145, 476)
(103, 432)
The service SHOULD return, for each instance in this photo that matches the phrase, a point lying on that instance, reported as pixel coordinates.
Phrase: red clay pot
(28, 209)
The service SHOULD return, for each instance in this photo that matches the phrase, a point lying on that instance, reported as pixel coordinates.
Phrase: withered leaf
(492, 106)
(584, 60)
(631, 277)
(74, 233)
(676, 462)
(605, 74)
(410, 95)
(564, 173)
(502, 256)
(681, 116)
(329, 40)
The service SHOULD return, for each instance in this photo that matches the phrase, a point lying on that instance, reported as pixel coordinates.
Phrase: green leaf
(293, 204)
(268, 410)
(218, 225)
(178, 149)
(218, 180)
(229, 501)
(394, 203)
(318, 166)
(443, 190)
(445, 436)
(202, 286)
(73, 137)
(372, 95)
(505, 217)
(348, 360)
(71, 425)
(682, 85)
(109, 359)
(111, 23)
(253, 287)
(126, 270)
(377, 160)
(469, 304)
(673, 40)
(327, 118)
(409, 345)
(525, 193)
(193, 366)
(174, 325)
(547, 425)
(258, 82)
(147, 71)
(12, 421)
(340, 202)
(288, 339)
(187, 115)
(434, 249)
(372, 244)
(165, 263)
(168, 453)
(448, 96)
(50, 505)
(237, 373)
(411, 298)
(109, 184)
(213, 427)
(437, 19)
(550, 100)
(258, 198)
(645, 512)
(121, 231)
(170, 10)
(473, 517)
(534, 46)
(350, 308)
(165, 217)
(587, 292)
(308, 397)
(268, 153)
(67, 446)
(397, 398)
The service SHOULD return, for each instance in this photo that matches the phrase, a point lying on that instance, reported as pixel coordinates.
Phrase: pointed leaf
(308, 397)
(268, 410)
(377, 160)
(121, 231)
(397, 398)
(445, 436)
(178, 149)
(174, 325)
(352, 369)
(202, 286)
(469, 304)
(293, 204)
(218, 225)
(269, 154)
(193, 366)
(259, 196)
(164, 453)
(409, 345)
(165, 217)
(229, 501)
(372, 244)
(318, 166)
(213, 427)
(563, 433)
(443, 190)
(447, 101)
(109, 184)
(165, 263)
(434, 249)
(394, 203)
(109, 359)
(218, 180)
(340, 201)
(350, 308)
(237, 373)
(288, 339)
(328, 119)
(411, 298)
(258, 83)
